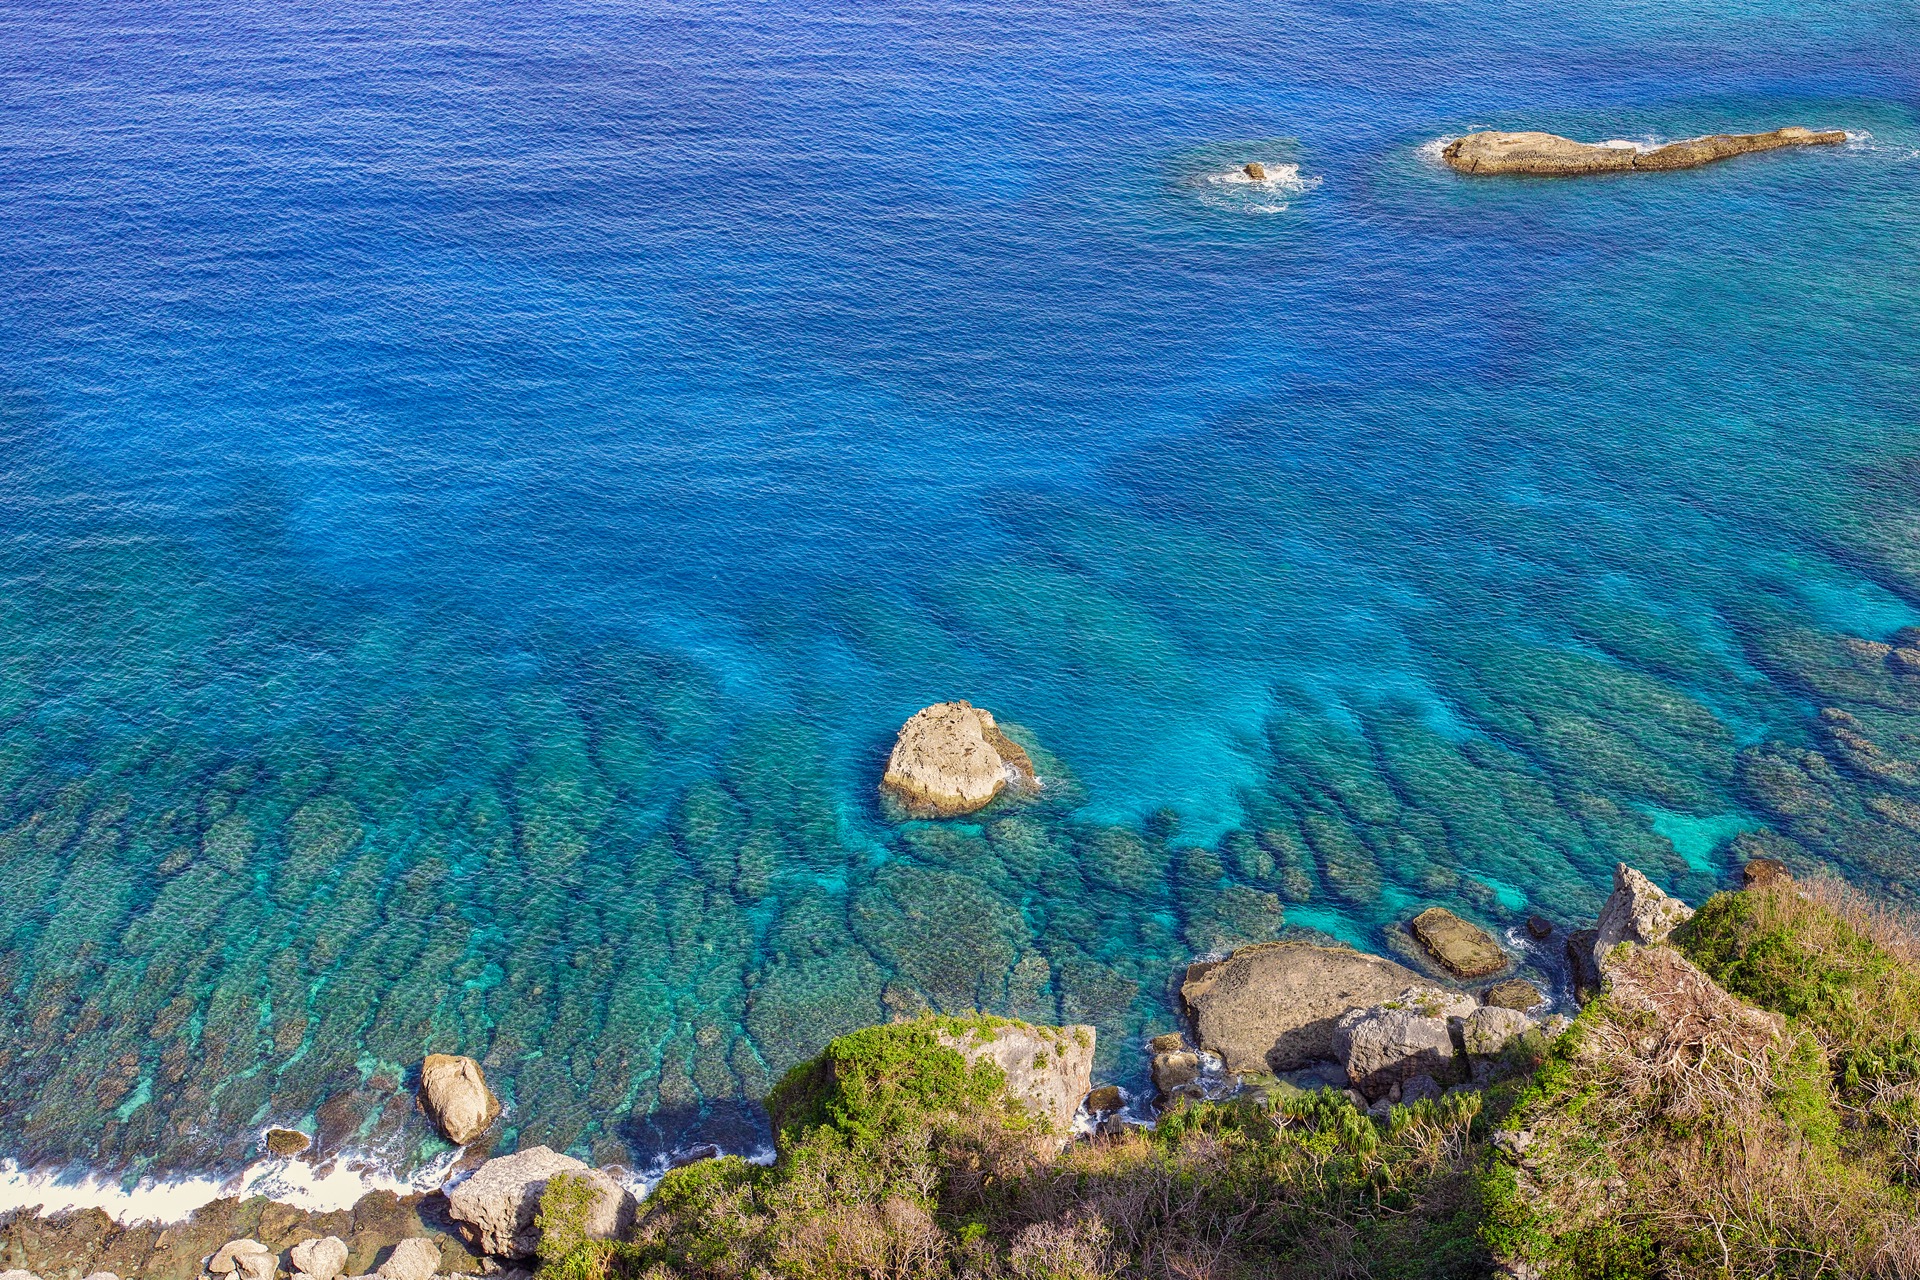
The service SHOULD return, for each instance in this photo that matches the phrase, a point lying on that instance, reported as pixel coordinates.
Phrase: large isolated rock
(321, 1259)
(1271, 1007)
(415, 1259)
(1391, 1042)
(1494, 152)
(1048, 1069)
(1638, 912)
(495, 1208)
(950, 759)
(1467, 950)
(454, 1094)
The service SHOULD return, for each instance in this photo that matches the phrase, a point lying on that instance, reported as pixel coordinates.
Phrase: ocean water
(480, 486)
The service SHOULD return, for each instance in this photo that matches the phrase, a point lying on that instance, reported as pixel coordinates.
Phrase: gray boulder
(1488, 1030)
(415, 1259)
(320, 1259)
(495, 1208)
(1048, 1069)
(1389, 1043)
(1638, 912)
(1271, 1008)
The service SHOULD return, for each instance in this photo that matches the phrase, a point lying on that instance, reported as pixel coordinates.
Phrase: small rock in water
(1514, 993)
(1171, 1042)
(1105, 1099)
(1466, 950)
(1539, 928)
(1764, 871)
(1255, 170)
(287, 1142)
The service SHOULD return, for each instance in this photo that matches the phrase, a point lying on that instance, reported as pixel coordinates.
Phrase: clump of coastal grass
(1733, 1106)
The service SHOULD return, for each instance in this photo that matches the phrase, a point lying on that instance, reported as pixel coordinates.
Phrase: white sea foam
(335, 1185)
(1236, 190)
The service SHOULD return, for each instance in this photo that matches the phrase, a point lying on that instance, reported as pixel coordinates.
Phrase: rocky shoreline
(1265, 1023)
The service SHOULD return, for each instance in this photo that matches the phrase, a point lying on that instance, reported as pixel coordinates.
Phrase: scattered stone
(1467, 950)
(951, 759)
(415, 1259)
(1255, 170)
(287, 1142)
(1272, 1007)
(18, 1275)
(227, 1259)
(496, 1206)
(320, 1259)
(1488, 1030)
(1048, 1069)
(1765, 871)
(1514, 993)
(454, 1094)
(1638, 913)
(1539, 928)
(1494, 152)
(1107, 1098)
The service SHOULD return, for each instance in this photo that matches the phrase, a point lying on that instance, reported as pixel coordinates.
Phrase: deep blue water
(481, 484)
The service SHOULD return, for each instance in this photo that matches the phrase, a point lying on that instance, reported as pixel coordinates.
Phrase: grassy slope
(1676, 1130)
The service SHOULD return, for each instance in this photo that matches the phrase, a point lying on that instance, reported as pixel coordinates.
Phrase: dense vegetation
(1740, 1104)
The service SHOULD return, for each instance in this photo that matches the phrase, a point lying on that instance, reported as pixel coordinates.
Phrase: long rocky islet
(1494, 153)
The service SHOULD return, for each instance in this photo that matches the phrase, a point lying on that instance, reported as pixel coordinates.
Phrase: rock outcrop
(1494, 152)
(1048, 1069)
(495, 1208)
(1638, 912)
(1390, 1043)
(1272, 1007)
(1465, 950)
(1255, 170)
(322, 1259)
(951, 759)
(454, 1094)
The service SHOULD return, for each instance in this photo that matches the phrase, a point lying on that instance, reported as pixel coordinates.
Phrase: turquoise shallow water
(479, 489)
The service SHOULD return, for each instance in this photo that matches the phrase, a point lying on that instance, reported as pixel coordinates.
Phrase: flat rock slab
(1271, 1008)
(1495, 152)
(1466, 950)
